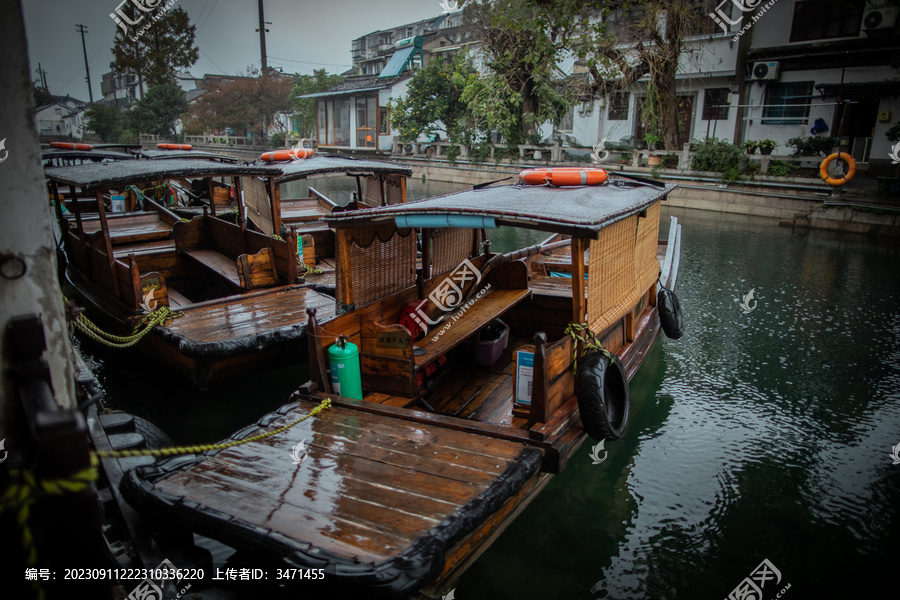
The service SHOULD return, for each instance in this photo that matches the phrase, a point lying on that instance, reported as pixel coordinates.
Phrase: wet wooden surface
(250, 314)
(370, 485)
(132, 229)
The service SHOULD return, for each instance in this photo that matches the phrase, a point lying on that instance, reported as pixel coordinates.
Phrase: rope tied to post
(93, 331)
(580, 332)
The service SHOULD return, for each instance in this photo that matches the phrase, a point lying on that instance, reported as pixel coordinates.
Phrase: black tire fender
(603, 396)
(670, 314)
(154, 437)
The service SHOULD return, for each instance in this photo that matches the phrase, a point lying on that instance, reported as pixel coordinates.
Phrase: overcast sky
(302, 36)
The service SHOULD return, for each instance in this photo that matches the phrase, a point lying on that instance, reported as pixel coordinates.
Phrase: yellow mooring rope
(588, 341)
(157, 317)
(204, 447)
(25, 487)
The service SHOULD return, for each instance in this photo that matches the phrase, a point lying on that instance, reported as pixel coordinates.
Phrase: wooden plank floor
(132, 228)
(293, 212)
(239, 316)
(370, 486)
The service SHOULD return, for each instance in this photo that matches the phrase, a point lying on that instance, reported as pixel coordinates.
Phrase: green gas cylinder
(343, 356)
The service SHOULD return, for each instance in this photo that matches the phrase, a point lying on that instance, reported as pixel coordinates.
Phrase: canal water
(764, 433)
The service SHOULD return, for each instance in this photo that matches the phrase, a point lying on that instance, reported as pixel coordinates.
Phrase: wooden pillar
(57, 206)
(382, 183)
(359, 192)
(344, 267)
(236, 183)
(77, 212)
(317, 368)
(212, 201)
(104, 228)
(539, 390)
(579, 246)
(426, 253)
(402, 188)
(275, 195)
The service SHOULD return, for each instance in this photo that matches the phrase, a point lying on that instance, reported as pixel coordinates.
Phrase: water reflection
(755, 436)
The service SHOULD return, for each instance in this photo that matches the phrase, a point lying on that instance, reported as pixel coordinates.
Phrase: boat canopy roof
(319, 165)
(103, 175)
(188, 154)
(95, 154)
(581, 211)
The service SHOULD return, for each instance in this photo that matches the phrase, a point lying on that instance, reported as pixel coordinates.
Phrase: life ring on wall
(563, 176)
(823, 169)
(603, 396)
(283, 155)
(670, 313)
(174, 146)
(70, 146)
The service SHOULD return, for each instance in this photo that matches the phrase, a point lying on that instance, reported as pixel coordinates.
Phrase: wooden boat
(400, 491)
(239, 301)
(378, 183)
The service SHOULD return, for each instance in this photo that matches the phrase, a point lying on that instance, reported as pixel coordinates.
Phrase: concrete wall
(25, 227)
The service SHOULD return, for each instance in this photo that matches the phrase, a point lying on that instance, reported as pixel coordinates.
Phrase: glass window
(384, 121)
(566, 122)
(819, 20)
(715, 104)
(329, 119)
(618, 106)
(342, 122)
(787, 103)
(323, 122)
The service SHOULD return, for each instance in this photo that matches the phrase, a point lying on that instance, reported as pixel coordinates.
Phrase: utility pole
(262, 40)
(42, 74)
(83, 30)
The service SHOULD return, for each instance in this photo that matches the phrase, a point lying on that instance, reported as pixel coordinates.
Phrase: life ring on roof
(563, 176)
(823, 169)
(603, 396)
(70, 146)
(174, 146)
(282, 155)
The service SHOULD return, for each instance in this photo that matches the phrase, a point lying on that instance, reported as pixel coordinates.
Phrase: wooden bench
(217, 263)
(387, 355)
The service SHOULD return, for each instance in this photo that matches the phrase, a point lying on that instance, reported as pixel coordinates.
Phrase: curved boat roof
(108, 174)
(184, 154)
(319, 165)
(95, 154)
(581, 211)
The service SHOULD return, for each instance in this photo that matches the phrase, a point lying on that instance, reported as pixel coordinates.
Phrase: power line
(306, 62)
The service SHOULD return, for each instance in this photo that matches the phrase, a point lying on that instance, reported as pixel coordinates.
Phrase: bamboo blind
(393, 189)
(382, 261)
(622, 266)
(450, 246)
(371, 188)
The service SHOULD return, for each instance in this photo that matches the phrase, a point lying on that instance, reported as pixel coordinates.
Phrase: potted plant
(640, 145)
(624, 159)
(767, 145)
(652, 141)
(750, 146)
(653, 160)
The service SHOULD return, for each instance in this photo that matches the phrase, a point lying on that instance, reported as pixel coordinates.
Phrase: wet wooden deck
(371, 486)
(249, 314)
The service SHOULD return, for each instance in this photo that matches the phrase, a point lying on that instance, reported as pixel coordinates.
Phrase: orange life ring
(174, 146)
(70, 146)
(563, 176)
(282, 155)
(823, 169)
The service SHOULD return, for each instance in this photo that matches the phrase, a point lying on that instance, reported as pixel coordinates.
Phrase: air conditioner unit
(765, 71)
(884, 17)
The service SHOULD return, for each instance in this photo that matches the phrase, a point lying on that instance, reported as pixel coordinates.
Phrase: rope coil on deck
(588, 341)
(157, 317)
(206, 447)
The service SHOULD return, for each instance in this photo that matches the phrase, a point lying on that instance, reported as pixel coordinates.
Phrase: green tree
(158, 110)
(155, 56)
(646, 37)
(106, 121)
(319, 81)
(521, 41)
(245, 102)
(433, 101)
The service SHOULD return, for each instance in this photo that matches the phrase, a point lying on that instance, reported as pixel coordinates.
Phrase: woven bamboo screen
(450, 246)
(371, 189)
(622, 266)
(382, 261)
(394, 189)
